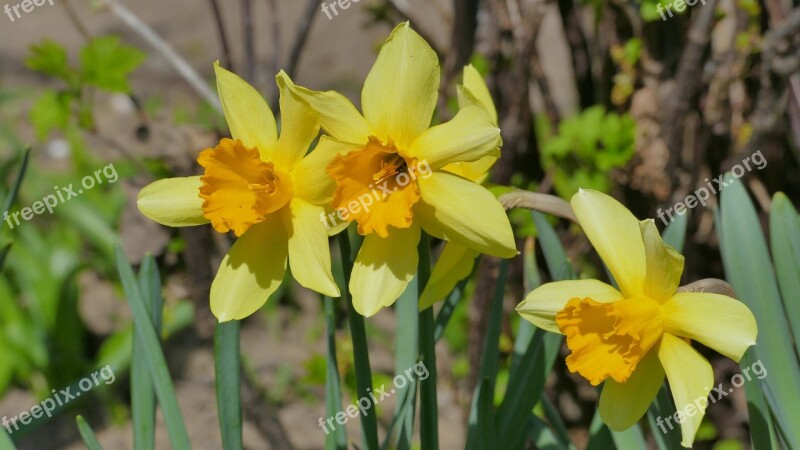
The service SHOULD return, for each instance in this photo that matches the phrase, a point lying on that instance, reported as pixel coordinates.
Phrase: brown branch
(301, 37)
(227, 61)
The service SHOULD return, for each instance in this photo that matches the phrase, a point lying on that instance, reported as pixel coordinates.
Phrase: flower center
(609, 339)
(376, 187)
(239, 189)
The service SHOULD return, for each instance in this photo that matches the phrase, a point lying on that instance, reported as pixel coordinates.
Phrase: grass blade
(165, 392)
(663, 406)
(337, 439)
(429, 407)
(87, 434)
(143, 396)
(749, 270)
(406, 346)
(12, 194)
(358, 334)
(784, 227)
(5, 441)
(228, 366)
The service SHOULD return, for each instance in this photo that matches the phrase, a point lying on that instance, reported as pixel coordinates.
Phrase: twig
(546, 203)
(302, 36)
(73, 17)
(249, 45)
(161, 46)
(275, 24)
(227, 61)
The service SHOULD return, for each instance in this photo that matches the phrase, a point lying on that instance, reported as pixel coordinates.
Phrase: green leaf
(675, 232)
(143, 396)
(48, 58)
(337, 438)
(106, 63)
(228, 366)
(429, 407)
(50, 112)
(663, 406)
(406, 347)
(358, 334)
(749, 270)
(87, 434)
(784, 227)
(159, 372)
(542, 436)
(630, 439)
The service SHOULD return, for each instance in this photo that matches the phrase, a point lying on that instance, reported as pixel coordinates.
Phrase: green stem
(228, 366)
(429, 408)
(358, 334)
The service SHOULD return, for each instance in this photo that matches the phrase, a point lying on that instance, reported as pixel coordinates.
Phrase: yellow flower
(265, 190)
(456, 260)
(399, 159)
(632, 337)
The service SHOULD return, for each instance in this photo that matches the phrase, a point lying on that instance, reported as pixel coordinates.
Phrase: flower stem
(429, 408)
(358, 334)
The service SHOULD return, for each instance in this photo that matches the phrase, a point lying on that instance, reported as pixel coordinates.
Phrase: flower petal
(623, 404)
(543, 303)
(690, 380)
(716, 321)
(615, 234)
(247, 113)
(337, 115)
(251, 271)
(475, 92)
(311, 181)
(664, 264)
(174, 202)
(454, 264)
(309, 254)
(383, 269)
(468, 137)
(476, 171)
(455, 209)
(401, 90)
(299, 126)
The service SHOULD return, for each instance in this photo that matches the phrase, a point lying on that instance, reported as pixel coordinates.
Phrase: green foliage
(105, 64)
(586, 149)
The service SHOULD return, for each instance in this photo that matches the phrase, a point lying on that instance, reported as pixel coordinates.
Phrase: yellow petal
(309, 254)
(541, 305)
(312, 182)
(251, 271)
(174, 202)
(664, 264)
(716, 321)
(690, 380)
(469, 136)
(623, 404)
(400, 92)
(476, 171)
(614, 232)
(475, 91)
(299, 127)
(337, 115)
(454, 264)
(247, 113)
(383, 269)
(455, 209)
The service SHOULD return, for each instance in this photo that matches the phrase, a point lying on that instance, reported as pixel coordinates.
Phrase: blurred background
(603, 94)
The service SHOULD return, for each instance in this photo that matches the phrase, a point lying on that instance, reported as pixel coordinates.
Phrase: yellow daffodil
(396, 157)
(263, 188)
(456, 260)
(631, 337)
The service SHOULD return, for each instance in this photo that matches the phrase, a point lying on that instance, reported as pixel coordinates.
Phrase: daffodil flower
(263, 188)
(456, 260)
(631, 337)
(394, 149)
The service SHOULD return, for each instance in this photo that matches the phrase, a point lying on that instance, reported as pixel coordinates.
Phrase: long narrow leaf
(143, 396)
(12, 194)
(749, 270)
(5, 441)
(406, 346)
(335, 439)
(87, 434)
(784, 226)
(165, 391)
